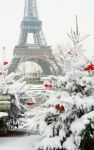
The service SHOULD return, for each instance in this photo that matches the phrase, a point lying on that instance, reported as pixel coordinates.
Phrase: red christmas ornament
(1, 73)
(70, 53)
(5, 63)
(86, 69)
(59, 107)
(90, 67)
(46, 85)
(30, 103)
(50, 85)
(62, 108)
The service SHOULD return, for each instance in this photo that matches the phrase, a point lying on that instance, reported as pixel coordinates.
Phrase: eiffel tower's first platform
(39, 51)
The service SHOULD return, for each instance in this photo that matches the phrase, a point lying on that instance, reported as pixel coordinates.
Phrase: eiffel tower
(38, 51)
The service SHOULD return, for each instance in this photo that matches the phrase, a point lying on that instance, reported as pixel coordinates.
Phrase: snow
(19, 143)
(69, 145)
(74, 91)
(45, 120)
(50, 143)
(80, 124)
(2, 114)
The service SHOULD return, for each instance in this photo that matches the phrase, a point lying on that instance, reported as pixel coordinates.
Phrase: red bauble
(50, 85)
(86, 69)
(46, 85)
(1, 73)
(57, 106)
(90, 67)
(5, 63)
(30, 103)
(61, 108)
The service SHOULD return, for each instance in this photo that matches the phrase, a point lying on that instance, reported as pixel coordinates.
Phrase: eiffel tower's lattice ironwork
(38, 51)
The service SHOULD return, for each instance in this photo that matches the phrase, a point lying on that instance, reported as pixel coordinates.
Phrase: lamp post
(5, 63)
(3, 54)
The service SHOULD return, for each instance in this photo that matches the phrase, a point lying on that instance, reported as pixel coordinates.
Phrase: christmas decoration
(5, 63)
(65, 121)
(89, 68)
(1, 73)
(48, 86)
(59, 107)
(30, 103)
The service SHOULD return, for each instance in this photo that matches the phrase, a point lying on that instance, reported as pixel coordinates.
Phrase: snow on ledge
(3, 114)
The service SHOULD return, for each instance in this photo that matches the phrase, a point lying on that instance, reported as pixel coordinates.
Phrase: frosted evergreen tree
(66, 120)
(72, 57)
(13, 98)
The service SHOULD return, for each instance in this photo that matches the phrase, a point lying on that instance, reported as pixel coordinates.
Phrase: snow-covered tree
(67, 116)
(14, 96)
(66, 120)
(72, 56)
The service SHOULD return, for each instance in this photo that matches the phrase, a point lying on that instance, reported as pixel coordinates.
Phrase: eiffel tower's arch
(45, 66)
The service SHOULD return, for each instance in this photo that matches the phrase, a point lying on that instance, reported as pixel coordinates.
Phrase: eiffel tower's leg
(23, 38)
(45, 67)
(39, 38)
(35, 38)
(42, 37)
(14, 64)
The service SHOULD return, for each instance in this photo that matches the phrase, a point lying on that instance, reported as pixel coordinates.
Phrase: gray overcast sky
(58, 17)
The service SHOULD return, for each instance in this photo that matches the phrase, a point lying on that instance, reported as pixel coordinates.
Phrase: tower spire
(31, 24)
(30, 10)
